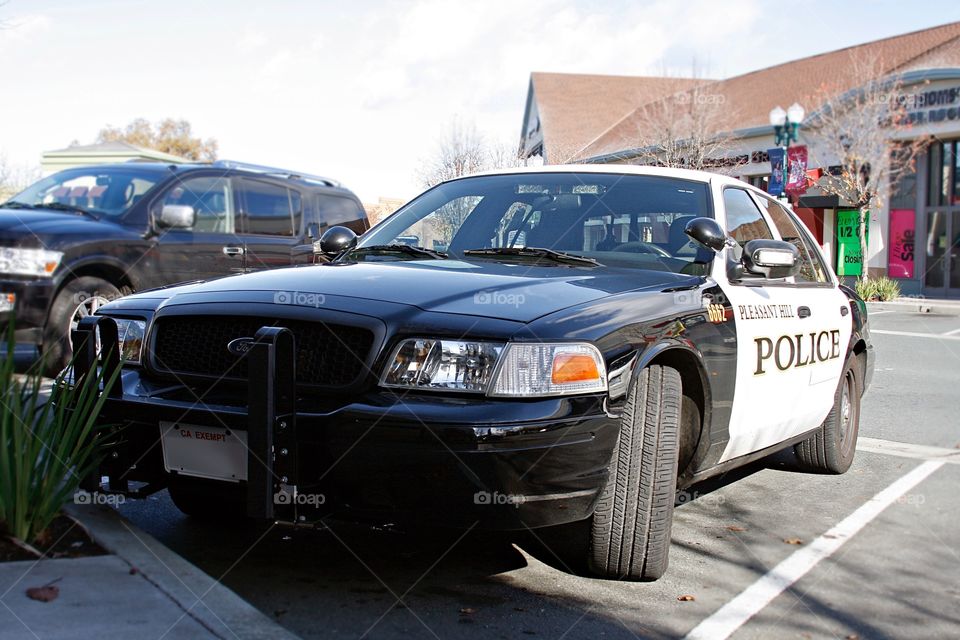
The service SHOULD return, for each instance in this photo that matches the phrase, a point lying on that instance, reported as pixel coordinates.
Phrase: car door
(211, 247)
(828, 315)
(771, 385)
(270, 219)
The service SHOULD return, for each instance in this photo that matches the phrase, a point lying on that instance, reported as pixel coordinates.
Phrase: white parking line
(754, 598)
(877, 313)
(912, 334)
(907, 450)
(950, 333)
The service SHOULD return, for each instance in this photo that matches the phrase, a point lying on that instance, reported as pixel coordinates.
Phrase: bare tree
(685, 129)
(15, 177)
(863, 137)
(169, 136)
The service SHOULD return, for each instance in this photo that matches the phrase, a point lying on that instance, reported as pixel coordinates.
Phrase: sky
(362, 91)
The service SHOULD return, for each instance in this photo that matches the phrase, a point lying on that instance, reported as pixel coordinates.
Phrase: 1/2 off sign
(849, 260)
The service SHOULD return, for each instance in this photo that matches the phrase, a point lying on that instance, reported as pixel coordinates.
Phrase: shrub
(878, 289)
(48, 444)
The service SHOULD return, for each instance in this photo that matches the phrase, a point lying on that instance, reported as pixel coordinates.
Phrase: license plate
(204, 452)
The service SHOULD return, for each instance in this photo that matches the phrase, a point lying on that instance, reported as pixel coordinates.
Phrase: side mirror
(708, 232)
(177, 216)
(336, 240)
(771, 259)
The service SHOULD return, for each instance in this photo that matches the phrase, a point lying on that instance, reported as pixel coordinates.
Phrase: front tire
(832, 447)
(77, 299)
(630, 528)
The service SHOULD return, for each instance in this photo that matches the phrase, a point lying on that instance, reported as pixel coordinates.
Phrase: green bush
(878, 289)
(48, 444)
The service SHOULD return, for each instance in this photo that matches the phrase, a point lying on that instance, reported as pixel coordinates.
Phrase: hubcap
(86, 308)
(846, 408)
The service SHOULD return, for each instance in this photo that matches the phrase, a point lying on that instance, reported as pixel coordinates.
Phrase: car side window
(744, 220)
(811, 267)
(211, 198)
(337, 210)
(269, 209)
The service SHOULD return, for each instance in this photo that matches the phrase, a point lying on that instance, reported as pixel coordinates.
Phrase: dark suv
(84, 236)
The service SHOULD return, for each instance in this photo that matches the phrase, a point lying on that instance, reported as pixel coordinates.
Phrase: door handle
(803, 312)
(233, 251)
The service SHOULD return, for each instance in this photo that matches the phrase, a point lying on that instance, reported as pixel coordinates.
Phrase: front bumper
(30, 307)
(501, 464)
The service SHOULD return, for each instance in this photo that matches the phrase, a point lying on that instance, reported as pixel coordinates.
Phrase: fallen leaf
(134, 571)
(467, 611)
(734, 527)
(46, 593)
(797, 541)
(852, 636)
(686, 598)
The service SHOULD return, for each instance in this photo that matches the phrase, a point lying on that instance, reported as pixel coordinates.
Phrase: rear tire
(76, 299)
(208, 500)
(629, 532)
(832, 447)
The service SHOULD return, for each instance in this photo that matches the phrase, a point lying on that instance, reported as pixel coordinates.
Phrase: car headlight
(29, 262)
(442, 365)
(130, 334)
(551, 369)
(505, 370)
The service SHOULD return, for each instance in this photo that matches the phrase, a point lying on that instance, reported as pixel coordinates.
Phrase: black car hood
(40, 222)
(518, 292)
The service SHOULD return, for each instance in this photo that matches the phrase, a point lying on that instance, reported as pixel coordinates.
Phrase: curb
(221, 611)
(918, 305)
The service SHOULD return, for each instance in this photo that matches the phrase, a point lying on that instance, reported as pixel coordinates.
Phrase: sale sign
(902, 233)
(849, 259)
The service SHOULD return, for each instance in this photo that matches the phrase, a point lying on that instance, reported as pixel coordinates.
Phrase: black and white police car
(566, 347)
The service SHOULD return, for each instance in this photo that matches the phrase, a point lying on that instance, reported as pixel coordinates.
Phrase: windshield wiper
(410, 250)
(533, 252)
(59, 206)
(16, 204)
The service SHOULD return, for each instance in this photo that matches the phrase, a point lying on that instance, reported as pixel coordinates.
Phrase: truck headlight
(130, 334)
(514, 370)
(550, 369)
(442, 365)
(29, 262)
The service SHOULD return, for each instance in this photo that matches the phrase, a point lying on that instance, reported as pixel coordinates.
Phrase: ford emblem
(240, 346)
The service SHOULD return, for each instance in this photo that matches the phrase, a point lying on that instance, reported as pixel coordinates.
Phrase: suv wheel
(76, 300)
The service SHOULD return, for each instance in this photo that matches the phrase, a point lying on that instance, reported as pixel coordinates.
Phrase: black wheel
(76, 300)
(629, 532)
(208, 499)
(833, 446)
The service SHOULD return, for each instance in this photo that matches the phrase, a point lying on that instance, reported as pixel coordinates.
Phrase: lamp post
(786, 125)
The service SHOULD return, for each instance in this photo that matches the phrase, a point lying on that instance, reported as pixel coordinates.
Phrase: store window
(943, 176)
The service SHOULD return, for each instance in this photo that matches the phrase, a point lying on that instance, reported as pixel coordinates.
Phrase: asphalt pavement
(766, 551)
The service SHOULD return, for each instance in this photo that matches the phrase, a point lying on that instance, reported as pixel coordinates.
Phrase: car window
(212, 200)
(337, 210)
(270, 209)
(744, 220)
(107, 191)
(811, 267)
(618, 221)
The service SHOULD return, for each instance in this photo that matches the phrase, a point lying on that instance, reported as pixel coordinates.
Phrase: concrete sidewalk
(142, 590)
(918, 305)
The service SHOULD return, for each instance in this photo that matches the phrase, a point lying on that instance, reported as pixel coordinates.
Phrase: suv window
(744, 220)
(269, 209)
(811, 267)
(211, 198)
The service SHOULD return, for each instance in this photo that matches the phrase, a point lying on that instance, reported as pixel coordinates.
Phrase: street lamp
(786, 124)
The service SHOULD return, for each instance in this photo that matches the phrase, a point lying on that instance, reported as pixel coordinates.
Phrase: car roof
(626, 169)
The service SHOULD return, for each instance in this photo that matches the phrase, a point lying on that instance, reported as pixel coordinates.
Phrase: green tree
(168, 135)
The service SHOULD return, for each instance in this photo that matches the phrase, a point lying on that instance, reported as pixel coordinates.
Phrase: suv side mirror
(708, 232)
(771, 259)
(336, 240)
(177, 216)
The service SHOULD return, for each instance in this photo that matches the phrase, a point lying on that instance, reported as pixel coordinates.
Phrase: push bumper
(450, 460)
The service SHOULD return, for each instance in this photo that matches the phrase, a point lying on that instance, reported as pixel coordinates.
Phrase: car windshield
(98, 191)
(614, 220)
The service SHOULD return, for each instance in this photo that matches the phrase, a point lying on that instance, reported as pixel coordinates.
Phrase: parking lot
(766, 551)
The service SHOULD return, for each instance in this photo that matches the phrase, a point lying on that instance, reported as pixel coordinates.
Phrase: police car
(566, 347)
